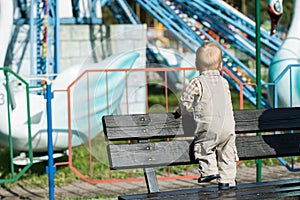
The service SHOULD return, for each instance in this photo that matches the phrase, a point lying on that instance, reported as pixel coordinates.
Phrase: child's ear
(220, 67)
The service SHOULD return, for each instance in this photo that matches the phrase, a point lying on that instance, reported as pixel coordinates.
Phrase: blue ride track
(167, 13)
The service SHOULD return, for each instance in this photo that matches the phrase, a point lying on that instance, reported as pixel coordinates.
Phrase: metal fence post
(50, 169)
(258, 79)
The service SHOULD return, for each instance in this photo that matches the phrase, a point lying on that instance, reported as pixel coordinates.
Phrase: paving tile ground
(82, 190)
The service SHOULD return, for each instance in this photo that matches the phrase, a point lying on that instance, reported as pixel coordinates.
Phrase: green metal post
(258, 78)
(9, 125)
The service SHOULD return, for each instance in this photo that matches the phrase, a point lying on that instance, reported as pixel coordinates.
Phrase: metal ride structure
(42, 18)
(46, 24)
(233, 17)
(178, 24)
(213, 19)
(186, 29)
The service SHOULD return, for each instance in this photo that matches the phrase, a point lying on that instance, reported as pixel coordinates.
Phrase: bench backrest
(172, 139)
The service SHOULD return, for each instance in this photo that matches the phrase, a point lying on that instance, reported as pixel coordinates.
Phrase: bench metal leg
(151, 180)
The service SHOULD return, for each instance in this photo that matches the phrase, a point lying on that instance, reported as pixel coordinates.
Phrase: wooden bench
(177, 149)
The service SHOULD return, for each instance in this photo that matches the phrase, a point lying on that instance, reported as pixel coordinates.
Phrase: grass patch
(157, 100)
(269, 161)
(235, 98)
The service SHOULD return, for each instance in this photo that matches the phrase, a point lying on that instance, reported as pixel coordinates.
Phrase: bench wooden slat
(141, 126)
(266, 190)
(264, 120)
(179, 152)
(268, 146)
(138, 155)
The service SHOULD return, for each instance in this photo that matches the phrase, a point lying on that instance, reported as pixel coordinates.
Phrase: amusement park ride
(190, 21)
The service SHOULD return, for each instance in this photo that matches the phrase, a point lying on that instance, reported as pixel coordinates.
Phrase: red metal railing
(90, 177)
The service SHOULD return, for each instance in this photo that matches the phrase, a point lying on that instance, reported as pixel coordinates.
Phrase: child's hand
(176, 115)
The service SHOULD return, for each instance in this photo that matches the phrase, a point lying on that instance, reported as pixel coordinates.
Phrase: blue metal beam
(64, 21)
(234, 38)
(160, 11)
(233, 17)
(77, 18)
(23, 9)
(117, 12)
(39, 24)
(75, 8)
(128, 12)
(54, 17)
(184, 32)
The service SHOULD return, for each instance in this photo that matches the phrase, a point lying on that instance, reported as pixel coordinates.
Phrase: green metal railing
(8, 75)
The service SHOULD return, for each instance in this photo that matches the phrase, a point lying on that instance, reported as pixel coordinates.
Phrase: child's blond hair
(208, 56)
